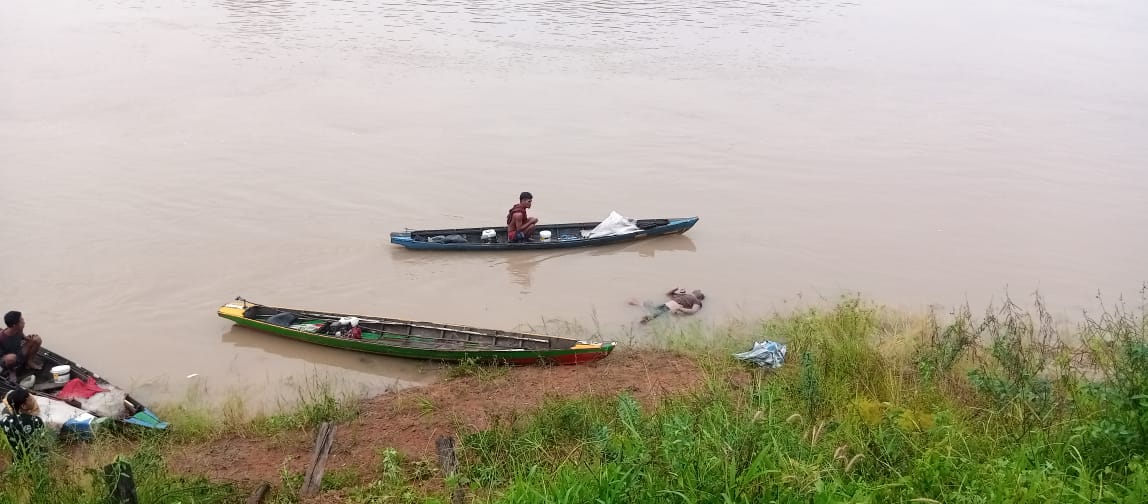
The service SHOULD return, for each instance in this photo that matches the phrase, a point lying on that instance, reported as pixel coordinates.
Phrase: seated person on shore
(18, 352)
(519, 226)
(20, 420)
(680, 303)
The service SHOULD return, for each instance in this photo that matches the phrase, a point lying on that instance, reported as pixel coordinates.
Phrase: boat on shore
(410, 339)
(571, 235)
(75, 400)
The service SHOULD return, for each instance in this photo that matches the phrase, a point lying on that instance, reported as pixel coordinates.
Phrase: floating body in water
(680, 303)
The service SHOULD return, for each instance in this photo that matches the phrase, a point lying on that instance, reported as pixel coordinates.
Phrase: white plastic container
(488, 234)
(545, 235)
(61, 374)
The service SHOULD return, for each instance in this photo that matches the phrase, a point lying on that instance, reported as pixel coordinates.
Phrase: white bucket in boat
(488, 234)
(545, 235)
(61, 374)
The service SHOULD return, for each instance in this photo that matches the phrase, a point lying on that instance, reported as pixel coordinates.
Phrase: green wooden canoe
(416, 340)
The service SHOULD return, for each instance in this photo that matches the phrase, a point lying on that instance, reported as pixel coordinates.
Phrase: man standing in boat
(18, 351)
(519, 226)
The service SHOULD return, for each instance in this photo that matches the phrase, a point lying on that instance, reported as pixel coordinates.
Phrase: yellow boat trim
(232, 310)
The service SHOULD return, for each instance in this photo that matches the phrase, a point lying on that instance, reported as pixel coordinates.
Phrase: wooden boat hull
(418, 239)
(425, 340)
(137, 414)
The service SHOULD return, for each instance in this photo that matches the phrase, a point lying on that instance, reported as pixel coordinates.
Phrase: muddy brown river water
(158, 159)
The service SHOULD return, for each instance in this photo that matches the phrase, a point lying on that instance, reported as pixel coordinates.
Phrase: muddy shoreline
(410, 419)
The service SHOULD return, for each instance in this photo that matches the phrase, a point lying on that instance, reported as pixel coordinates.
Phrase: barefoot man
(519, 226)
(17, 351)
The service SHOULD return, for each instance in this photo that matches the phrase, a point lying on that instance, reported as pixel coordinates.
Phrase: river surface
(158, 159)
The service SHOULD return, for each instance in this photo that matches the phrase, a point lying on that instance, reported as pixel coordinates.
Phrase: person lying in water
(18, 352)
(680, 303)
(519, 226)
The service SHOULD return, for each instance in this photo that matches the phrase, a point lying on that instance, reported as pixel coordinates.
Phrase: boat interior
(558, 232)
(43, 382)
(405, 334)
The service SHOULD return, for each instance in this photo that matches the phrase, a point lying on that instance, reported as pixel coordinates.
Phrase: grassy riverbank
(870, 406)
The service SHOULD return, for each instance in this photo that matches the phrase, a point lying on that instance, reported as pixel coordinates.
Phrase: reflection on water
(394, 369)
(650, 248)
(522, 265)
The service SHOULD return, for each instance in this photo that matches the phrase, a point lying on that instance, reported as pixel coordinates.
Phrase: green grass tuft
(52, 479)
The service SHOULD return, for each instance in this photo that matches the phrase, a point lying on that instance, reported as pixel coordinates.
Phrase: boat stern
(402, 238)
(585, 352)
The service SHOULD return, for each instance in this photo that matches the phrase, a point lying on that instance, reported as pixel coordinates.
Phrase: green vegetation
(469, 367)
(316, 401)
(870, 406)
(55, 480)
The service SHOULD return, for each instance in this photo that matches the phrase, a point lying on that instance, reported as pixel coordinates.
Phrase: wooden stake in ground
(259, 494)
(121, 483)
(449, 462)
(313, 481)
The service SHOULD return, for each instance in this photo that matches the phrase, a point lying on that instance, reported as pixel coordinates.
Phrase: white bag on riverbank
(109, 403)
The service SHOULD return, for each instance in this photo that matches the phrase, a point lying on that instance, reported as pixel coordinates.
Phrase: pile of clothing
(454, 238)
(106, 402)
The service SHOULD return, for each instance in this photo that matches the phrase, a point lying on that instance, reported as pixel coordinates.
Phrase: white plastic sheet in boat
(614, 225)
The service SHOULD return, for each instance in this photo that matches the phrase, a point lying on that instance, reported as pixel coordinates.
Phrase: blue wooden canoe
(561, 236)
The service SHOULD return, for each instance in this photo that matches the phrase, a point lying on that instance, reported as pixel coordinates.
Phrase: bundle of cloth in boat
(106, 402)
(614, 225)
(346, 327)
(767, 353)
(454, 238)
